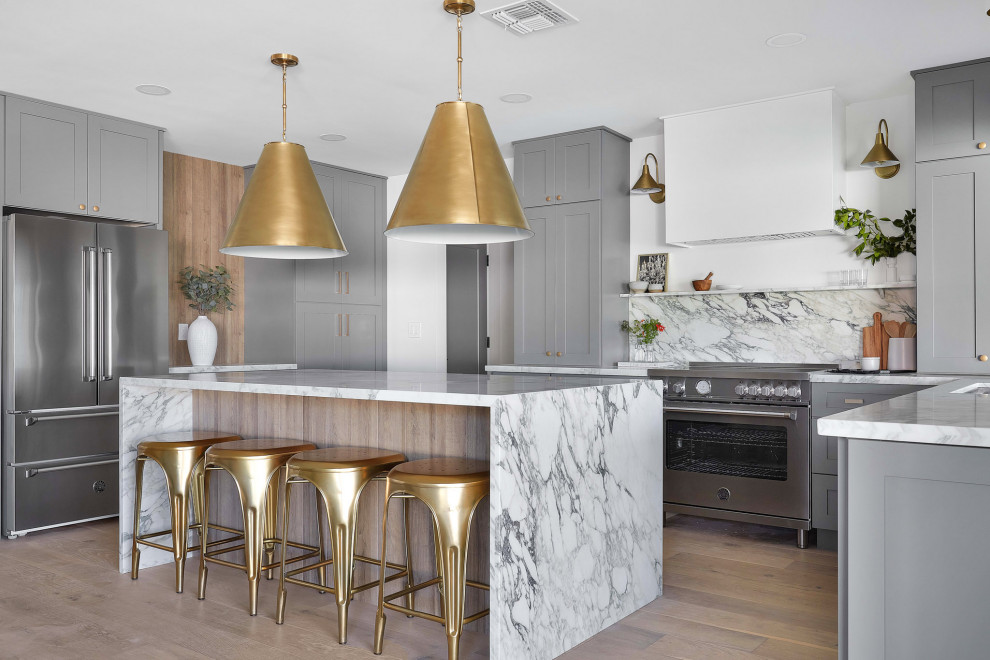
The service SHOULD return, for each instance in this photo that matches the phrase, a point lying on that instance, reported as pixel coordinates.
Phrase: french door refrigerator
(84, 303)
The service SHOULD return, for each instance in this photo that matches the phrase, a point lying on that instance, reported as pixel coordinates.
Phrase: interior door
(467, 309)
(133, 305)
(51, 308)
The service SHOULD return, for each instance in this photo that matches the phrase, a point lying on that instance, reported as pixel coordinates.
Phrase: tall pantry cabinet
(952, 125)
(574, 188)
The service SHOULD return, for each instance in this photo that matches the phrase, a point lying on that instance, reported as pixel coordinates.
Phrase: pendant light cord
(284, 106)
(460, 60)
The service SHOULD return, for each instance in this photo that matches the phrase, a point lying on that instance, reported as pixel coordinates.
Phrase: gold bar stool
(180, 455)
(339, 475)
(452, 488)
(252, 464)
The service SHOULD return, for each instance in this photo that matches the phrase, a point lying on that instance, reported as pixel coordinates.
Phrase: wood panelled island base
(571, 539)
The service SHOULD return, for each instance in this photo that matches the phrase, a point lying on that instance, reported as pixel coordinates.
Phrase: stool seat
(441, 472)
(184, 440)
(261, 448)
(332, 459)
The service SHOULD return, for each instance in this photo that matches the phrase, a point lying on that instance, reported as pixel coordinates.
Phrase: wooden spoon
(911, 330)
(892, 328)
(903, 332)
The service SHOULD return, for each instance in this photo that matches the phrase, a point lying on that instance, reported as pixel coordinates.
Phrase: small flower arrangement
(646, 330)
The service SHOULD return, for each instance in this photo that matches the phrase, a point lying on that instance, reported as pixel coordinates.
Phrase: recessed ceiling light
(786, 39)
(333, 137)
(153, 90)
(517, 97)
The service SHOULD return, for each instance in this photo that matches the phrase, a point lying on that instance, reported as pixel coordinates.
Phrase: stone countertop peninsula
(571, 538)
(955, 413)
(904, 378)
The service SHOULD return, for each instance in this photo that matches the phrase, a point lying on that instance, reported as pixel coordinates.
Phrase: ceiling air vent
(530, 16)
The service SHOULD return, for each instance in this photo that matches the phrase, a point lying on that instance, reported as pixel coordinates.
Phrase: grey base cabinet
(69, 161)
(568, 276)
(913, 554)
(332, 336)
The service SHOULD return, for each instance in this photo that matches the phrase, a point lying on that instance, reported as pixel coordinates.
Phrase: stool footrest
(290, 575)
(312, 551)
(426, 615)
(143, 538)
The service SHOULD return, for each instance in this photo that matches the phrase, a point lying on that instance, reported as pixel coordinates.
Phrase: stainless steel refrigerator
(84, 303)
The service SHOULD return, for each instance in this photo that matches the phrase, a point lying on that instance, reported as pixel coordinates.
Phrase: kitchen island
(571, 539)
(914, 491)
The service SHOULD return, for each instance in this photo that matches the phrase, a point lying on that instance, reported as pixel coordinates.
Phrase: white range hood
(766, 170)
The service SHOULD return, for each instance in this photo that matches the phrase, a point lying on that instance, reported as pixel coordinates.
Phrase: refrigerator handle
(107, 320)
(89, 304)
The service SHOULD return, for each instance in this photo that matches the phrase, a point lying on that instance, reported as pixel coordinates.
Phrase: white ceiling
(374, 71)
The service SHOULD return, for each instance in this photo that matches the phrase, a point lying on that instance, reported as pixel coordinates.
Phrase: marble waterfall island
(571, 539)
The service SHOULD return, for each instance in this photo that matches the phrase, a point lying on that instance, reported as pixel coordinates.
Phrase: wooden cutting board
(870, 348)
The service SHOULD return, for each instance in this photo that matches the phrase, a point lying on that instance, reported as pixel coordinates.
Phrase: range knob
(703, 387)
(678, 387)
(794, 391)
(780, 391)
(741, 389)
(766, 390)
(753, 390)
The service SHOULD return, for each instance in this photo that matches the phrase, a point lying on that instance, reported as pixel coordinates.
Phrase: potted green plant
(876, 245)
(209, 290)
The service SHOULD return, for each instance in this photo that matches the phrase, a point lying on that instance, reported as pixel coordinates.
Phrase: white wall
(417, 293)
(794, 262)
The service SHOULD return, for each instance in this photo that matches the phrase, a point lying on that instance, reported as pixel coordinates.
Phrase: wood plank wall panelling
(199, 201)
(417, 430)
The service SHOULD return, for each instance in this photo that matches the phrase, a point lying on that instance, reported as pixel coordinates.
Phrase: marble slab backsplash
(792, 326)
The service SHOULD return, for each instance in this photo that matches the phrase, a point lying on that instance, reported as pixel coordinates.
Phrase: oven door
(738, 457)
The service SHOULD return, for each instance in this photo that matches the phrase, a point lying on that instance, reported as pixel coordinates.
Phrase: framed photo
(652, 268)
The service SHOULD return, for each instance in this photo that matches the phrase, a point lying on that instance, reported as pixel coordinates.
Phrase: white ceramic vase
(907, 267)
(202, 342)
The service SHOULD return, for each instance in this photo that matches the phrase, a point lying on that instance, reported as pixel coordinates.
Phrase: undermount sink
(982, 389)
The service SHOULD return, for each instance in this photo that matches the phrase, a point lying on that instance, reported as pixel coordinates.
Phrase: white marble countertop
(631, 371)
(214, 368)
(883, 379)
(413, 387)
(763, 289)
(941, 415)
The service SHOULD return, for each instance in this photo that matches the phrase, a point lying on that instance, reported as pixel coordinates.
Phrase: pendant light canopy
(459, 190)
(881, 158)
(283, 214)
(647, 185)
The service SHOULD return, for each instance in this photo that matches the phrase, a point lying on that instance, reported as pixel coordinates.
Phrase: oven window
(737, 450)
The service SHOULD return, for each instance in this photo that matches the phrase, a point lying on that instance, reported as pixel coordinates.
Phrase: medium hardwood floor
(730, 591)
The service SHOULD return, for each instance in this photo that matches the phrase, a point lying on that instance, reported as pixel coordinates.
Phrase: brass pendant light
(647, 185)
(881, 158)
(283, 214)
(459, 190)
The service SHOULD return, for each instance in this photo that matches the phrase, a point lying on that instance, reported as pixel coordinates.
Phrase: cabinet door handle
(854, 401)
(559, 354)
(348, 326)
(96, 208)
(338, 282)
(347, 277)
(983, 358)
(548, 354)
(981, 145)
(559, 198)
(339, 328)
(548, 198)
(82, 207)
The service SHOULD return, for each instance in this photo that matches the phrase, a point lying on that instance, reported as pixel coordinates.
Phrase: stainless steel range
(737, 442)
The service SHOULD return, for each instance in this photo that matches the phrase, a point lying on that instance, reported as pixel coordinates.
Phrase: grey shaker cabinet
(953, 199)
(2, 162)
(534, 290)
(578, 262)
(952, 111)
(334, 336)
(559, 170)
(316, 279)
(125, 162)
(46, 157)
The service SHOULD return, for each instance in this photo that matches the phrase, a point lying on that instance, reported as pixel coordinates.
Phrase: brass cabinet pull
(858, 401)
(347, 276)
(983, 358)
(82, 207)
(338, 282)
(559, 354)
(96, 208)
(559, 197)
(981, 145)
(348, 326)
(548, 198)
(548, 353)
(339, 321)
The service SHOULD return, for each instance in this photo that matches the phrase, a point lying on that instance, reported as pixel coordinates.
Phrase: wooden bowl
(702, 285)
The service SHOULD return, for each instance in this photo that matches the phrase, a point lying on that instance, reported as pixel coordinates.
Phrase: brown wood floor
(730, 591)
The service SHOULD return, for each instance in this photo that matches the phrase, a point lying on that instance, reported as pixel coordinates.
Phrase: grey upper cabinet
(65, 160)
(568, 276)
(45, 157)
(559, 170)
(534, 290)
(952, 111)
(533, 172)
(578, 167)
(577, 230)
(953, 199)
(360, 217)
(316, 279)
(124, 170)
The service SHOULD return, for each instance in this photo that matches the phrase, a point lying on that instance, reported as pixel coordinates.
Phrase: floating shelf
(723, 292)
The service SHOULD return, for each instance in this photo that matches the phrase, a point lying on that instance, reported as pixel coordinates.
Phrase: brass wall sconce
(881, 158)
(647, 185)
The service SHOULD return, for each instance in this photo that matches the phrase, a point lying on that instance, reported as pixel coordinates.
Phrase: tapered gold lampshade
(459, 190)
(283, 214)
(646, 184)
(881, 158)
